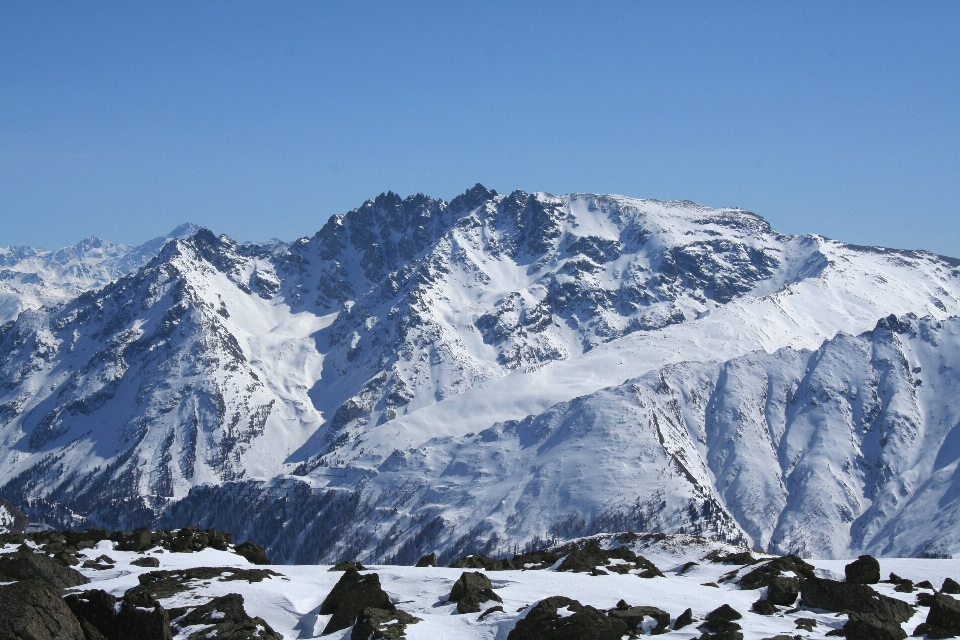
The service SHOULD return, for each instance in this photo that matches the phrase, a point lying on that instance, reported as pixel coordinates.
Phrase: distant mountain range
(487, 375)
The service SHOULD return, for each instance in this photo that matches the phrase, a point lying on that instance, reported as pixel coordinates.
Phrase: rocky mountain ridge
(422, 374)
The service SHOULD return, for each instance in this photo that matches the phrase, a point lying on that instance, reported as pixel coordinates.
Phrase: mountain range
(489, 375)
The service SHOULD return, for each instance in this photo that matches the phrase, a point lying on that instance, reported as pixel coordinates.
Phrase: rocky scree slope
(309, 393)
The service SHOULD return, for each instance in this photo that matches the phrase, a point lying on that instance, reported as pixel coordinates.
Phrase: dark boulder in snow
(560, 618)
(863, 570)
(380, 624)
(252, 552)
(862, 626)
(225, 617)
(33, 609)
(429, 560)
(350, 596)
(27, 565)
(763, 575)
(831, 595)
(136, 615)
(470, 591)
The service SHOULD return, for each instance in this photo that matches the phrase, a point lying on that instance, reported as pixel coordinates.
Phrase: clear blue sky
(263, 119)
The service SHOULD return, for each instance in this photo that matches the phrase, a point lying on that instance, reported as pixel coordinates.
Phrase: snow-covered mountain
(31, 278)
(422, 375)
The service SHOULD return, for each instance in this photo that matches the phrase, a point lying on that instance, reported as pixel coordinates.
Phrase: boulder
(721, 620)
(138, 615)
(807, 624)
(924, 584)
(252, 552)
(764, 607)
(381, 624)
(783, 591)
(429, 560)
(863, 570)
(27, 565)
(722, 557)
(146, 561)
(683, 620)
(831, 595)
(945, 614)
(634, 616)
(472, 561)
(470, 591)
(347, 564)
(136, 540)
(766, 572)
(225, 617)
(868, 627)
(350, 596)
(34, 610)
(560, 618)
(950, 586)
(591, 557)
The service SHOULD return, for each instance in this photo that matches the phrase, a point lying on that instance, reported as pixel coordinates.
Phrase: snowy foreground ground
(289, 603)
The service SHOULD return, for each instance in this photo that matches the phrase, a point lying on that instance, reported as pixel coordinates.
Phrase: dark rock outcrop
(429, 560)
(783, 591)
(544, 622)
(146, 561)
(683, 620)
(763, 607)
(350, 596)
(592, 557)
(868, 627)
(224, 617)
(32, 609)
(346, 565)
(138, 615)
(831, 595)
(950, 586)
(381, 624)
(943, 619)
(863, 570)
(252, 552)
(472, 561)
(163, 584)
(27, 565)
(634, 616)
(766, 572)
(470, 591)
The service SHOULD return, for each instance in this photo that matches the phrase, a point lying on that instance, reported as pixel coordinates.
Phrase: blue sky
(263, 119)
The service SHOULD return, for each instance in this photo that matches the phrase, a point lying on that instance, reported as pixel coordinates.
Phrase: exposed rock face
(864, 570)
(26, 565)
(470, 591)
(136, 615)
(33, 610)
(766, 573)
(943, 619)
(163, 584)
(380, 624)
(634, 616)
(225, 617)
(350, 596)
(252, 552)
(869, 627)
(950, 586)
(559, 618)
(684, 619)
(12, 520)
(429, 560)
(347, 564)
(839, 596)
(783, 591)
(593, 557)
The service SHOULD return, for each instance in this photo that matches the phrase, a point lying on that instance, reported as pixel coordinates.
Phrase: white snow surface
(499, 370)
